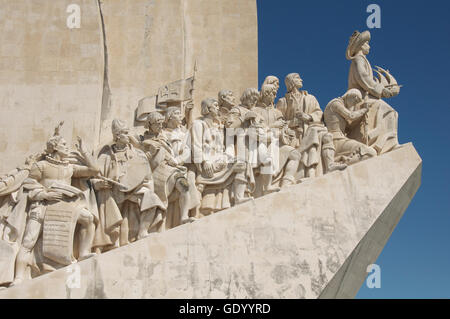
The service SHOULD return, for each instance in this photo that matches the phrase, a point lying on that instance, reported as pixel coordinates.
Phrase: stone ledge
(311, 240)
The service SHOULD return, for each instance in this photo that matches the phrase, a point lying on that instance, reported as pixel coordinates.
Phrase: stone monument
(173, 188)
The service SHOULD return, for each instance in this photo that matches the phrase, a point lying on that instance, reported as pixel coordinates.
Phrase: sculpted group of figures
(67, 205)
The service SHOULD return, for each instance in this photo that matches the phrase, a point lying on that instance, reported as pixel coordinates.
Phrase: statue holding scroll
(56, 208)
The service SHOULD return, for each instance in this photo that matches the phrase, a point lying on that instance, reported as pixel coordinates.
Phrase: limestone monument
(174, 189)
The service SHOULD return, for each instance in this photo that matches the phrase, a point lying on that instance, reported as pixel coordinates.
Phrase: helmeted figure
(125, 192)
(381, 122)
(340, 116)
(59, 206)
(168, 151)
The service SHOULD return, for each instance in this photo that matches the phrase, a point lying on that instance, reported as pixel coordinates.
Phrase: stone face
(313, 239)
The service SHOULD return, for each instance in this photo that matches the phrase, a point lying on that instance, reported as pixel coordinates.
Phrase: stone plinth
(311, 240)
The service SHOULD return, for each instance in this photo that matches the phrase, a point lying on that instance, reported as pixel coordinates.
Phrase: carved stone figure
(298, 107)
(226, 101)
(340, 117)
(216, 169)
(125, 192)
(381, 122)
(168, 150)
(272, 119)
(272, 79)
(13, 204)
(56, 206)
(237, 147)
(303, 113)
(249, 100)
(260, 154)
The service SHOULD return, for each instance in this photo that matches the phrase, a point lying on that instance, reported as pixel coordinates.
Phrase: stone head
(226, 99)
(210, 107)
(352, 97)
(155, 122)
(268, 94)
(250, 98)
(174, 117)
(272, 79)
(120, 131)
(293, 81)
(57, 145)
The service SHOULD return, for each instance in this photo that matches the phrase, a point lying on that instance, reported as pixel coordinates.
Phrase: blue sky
(310, 37)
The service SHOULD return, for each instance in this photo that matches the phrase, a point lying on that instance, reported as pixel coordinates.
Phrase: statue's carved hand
(172, 162)
(386, 93)
(279, 124)
(304, 117)
(190, 104)
(208, 169)
(100, 184)
(239, 167)
(50, 196)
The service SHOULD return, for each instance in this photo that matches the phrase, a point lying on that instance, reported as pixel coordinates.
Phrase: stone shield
(136, 170)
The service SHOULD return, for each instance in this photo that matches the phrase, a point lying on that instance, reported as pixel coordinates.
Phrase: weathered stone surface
(49, 72)
(311, 240)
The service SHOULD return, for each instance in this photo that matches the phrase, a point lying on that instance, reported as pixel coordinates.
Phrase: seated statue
(56, 206)
(382, 120)
(216, 169)
(304, 116)
(125, 192)
(167, 151)
(340, 117)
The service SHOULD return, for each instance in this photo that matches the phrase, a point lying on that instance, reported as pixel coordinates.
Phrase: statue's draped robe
(337, 118)
(114, 204)
(171, 144)
(50, 175)
(208, 145)
(382, 119)
(270, 116)
(310, 134)
(13, 203)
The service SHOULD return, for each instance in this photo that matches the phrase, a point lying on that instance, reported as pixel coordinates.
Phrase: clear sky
(310, 37)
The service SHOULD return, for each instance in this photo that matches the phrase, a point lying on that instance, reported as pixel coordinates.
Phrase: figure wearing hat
(380, 125)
